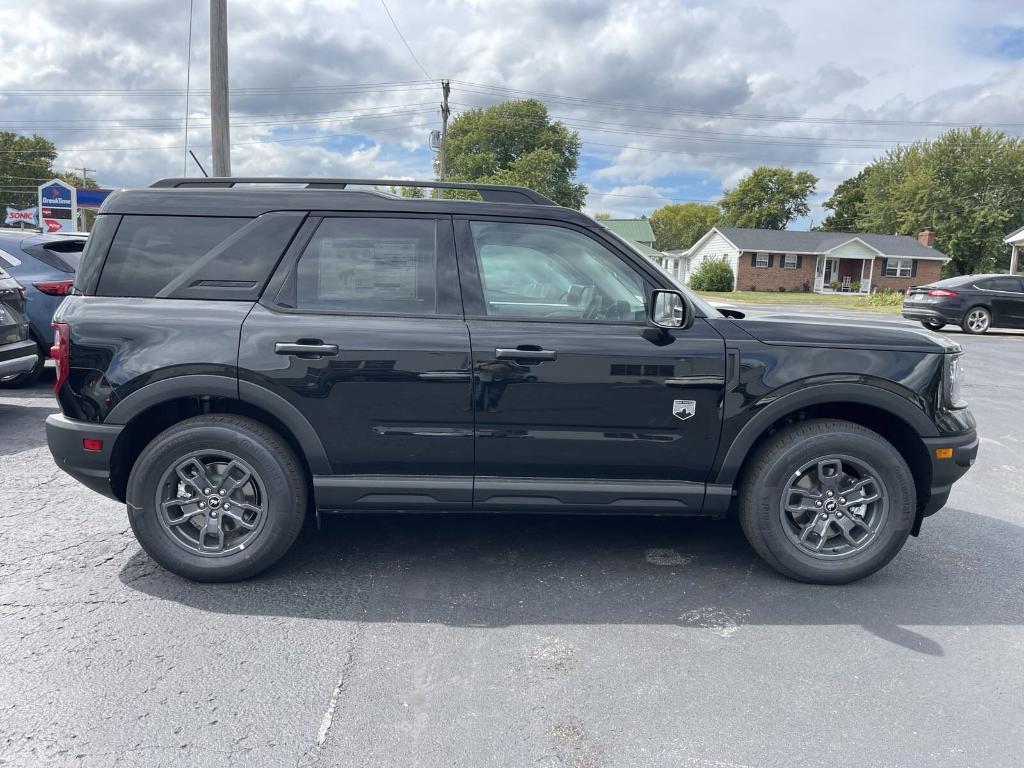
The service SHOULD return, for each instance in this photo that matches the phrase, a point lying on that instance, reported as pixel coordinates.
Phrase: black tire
(27, 378)
(277, 475)
(976, 320)
(931, 326)
(776, 464)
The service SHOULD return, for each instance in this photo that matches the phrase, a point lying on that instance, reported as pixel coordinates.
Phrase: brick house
(823, 262)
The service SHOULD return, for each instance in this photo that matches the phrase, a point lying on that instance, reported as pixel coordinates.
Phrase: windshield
(701, 304)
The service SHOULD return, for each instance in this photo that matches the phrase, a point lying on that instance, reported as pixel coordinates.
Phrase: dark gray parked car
(974, 302)
(17, 350)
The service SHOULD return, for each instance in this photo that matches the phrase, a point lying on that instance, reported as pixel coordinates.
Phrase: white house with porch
(1016, 242)
(823, 262)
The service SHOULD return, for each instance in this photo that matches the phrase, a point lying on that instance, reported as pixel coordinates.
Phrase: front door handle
(309, 349)
(524, 353)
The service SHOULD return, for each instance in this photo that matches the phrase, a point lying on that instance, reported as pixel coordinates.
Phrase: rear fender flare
(209, 385)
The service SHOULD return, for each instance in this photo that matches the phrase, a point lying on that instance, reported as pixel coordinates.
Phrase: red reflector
(941, 293)
(55, 287)
(92, 444)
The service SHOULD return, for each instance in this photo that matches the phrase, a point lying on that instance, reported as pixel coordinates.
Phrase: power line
(188, 82)
(404, 41)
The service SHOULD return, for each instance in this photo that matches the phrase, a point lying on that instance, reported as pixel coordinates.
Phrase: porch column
(1014, 250)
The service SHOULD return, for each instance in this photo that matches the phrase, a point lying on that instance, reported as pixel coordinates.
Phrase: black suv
(974, 302)
(237, 354)
(17, 350)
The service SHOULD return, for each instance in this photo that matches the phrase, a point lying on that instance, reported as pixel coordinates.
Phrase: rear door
(1006, 297)
(580, 404)
(362, 331)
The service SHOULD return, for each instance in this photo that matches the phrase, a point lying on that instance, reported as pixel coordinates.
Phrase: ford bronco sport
(237, 353)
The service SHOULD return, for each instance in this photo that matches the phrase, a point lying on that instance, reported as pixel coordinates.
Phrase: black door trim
(560, 495)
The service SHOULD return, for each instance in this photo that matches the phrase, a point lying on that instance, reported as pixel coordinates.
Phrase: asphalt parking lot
(514, 641)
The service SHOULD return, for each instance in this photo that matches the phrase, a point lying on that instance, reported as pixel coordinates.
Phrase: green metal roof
(634, 230)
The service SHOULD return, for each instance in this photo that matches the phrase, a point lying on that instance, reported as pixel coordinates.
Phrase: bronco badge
(684, 409)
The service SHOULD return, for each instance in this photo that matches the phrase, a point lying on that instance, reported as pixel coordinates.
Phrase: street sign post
(58, 206)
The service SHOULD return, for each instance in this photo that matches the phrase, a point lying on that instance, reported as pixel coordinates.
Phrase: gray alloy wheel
(212, 503)
(833, 507)
(977, 320)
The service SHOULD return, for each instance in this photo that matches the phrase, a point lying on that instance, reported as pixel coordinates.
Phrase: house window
(790, 261)
(762, 261)
(898, 267)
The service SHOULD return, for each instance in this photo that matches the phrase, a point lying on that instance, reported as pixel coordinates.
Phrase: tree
(846, 203)
(967, 186)
(25, 163)
(515, 142)
(768, 198)
(680, 225)
(602, 216)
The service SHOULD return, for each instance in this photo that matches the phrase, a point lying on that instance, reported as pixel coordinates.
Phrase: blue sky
(674, 100)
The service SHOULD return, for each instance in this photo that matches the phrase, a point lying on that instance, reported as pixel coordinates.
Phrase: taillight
(941, 293)
(60, 352)
(55, 287)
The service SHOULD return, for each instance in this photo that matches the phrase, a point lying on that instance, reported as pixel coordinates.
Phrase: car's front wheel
(827, 501)
(217, 498)
(977, 320)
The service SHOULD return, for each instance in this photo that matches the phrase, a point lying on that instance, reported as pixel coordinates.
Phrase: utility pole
(445, 90)
(83, 222)
(220, 128)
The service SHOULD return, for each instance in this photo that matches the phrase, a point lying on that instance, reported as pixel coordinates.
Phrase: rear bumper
(945, 472)
(18, 357)
(931, 314)
(64, 436)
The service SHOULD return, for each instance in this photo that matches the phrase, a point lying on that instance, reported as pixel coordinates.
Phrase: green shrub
(714, 275)
(884, 299)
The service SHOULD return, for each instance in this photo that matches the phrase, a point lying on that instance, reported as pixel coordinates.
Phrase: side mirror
(668, 309)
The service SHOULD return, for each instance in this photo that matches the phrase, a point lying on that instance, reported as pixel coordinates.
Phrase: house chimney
(926, 237)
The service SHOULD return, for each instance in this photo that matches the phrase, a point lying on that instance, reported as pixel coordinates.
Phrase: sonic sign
(58, 206)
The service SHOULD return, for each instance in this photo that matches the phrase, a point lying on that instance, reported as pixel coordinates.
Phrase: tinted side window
(540, 271)
(1008, 284)
(371, 265)
(149, 252)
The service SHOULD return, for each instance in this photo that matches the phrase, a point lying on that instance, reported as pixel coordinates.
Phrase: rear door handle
(540, 355)
(306, 349)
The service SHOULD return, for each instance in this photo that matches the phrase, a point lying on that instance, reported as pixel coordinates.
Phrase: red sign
(52, 225)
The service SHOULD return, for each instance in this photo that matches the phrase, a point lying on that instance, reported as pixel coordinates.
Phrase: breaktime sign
(58, 206)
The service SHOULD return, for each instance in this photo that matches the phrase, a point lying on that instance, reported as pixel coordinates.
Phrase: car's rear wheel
(27, 378)
(827, 501)
(217, 498)
(976, 320)
(932, 326)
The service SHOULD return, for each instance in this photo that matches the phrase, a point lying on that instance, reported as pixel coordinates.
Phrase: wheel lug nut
(824, 516)
(817, 503)
(202, 505)
(206, 490)
(829, 494)
(842, 499)
(222, 491)
(227, 506)
(839, 514)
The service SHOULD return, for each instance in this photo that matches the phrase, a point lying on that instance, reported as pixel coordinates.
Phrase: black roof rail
(491, 193)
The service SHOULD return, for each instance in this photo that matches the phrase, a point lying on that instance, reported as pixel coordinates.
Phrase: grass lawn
(836, 300)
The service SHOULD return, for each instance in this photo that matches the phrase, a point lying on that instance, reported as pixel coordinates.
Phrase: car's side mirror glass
(668, 309)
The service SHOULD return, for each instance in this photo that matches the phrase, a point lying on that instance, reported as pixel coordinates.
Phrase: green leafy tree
(602, 216)
(846, 203)
(516, 142)
(712, 275)
(680, 225)
(967, 186)
(25, 163)
(768, 198)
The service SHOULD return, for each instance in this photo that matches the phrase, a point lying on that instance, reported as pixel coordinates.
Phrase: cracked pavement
(546, 641)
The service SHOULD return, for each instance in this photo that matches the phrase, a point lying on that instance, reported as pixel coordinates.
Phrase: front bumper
(91, 468)
(945, 472)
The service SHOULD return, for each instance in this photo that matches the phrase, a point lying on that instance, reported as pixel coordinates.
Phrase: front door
(1006, 297)
(364, 336)
(579, 403)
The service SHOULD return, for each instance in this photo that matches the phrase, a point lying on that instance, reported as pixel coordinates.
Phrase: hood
(850, 334)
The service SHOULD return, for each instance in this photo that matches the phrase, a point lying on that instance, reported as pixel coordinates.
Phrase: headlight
(954, 380)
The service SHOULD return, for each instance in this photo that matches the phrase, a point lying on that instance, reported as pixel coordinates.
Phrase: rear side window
(150, 252)
(1006, 284)
(370, 265)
